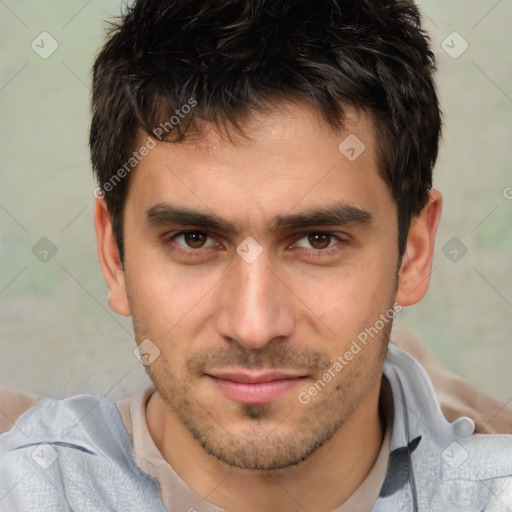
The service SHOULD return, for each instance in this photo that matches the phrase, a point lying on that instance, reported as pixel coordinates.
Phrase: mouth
(254, 387)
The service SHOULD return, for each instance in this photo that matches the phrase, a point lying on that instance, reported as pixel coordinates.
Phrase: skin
(296, 308)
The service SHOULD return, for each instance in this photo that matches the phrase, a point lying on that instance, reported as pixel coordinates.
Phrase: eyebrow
(339, 214)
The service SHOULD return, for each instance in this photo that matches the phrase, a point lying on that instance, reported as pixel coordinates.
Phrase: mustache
(266, 357)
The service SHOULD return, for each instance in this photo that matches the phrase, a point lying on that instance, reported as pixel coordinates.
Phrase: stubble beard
(263, 443)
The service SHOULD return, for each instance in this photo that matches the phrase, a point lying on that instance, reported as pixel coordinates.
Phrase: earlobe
(110, 263)
(416, 267)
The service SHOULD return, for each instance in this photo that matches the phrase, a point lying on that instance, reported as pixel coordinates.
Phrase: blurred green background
(57, 335)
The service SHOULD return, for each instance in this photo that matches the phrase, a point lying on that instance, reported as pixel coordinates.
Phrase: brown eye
(195, 239)
(319, 240)
(193, 244)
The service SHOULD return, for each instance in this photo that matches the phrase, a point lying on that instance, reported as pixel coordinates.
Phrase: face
(254, 265)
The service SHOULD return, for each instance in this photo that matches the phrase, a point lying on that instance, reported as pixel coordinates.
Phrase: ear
(414, 275)
(110, 262)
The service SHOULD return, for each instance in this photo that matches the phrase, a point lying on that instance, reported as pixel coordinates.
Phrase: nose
(255, 306)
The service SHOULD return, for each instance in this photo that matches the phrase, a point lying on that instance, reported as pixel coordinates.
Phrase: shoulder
(456, 396)
(72, 453)
(437, 463)
(75, 420)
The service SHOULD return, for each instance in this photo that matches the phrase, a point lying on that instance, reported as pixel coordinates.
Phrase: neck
(323, 481)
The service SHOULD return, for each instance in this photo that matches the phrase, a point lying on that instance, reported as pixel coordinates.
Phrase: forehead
(282, 127)
(284, 156)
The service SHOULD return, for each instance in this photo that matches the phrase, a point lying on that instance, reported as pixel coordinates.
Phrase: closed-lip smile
(247, 386)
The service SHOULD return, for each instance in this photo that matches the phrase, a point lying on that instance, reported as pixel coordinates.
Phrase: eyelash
(200, 252)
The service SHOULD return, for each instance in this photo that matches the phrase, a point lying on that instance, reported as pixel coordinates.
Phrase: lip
(254, 387)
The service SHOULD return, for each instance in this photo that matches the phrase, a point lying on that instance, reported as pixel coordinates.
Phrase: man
(265, 206)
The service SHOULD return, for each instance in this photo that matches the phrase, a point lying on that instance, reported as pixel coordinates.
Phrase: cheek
(165, 299)
(348, 299)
